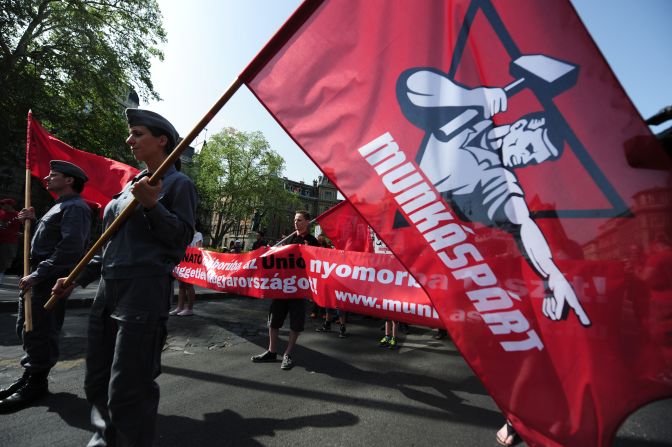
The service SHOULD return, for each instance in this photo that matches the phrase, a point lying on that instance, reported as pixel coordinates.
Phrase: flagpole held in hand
(27, 301)
(286, 238)
(153, 180)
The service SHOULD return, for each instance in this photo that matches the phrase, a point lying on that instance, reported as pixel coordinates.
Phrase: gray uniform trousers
(41, 345)
(127, 331)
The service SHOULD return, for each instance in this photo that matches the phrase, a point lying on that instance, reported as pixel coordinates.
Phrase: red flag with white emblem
(489, 141)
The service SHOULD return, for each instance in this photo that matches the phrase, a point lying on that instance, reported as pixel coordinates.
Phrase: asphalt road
(342, 391)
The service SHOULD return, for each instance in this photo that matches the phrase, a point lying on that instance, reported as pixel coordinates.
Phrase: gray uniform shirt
(60, 238)
(150, 242)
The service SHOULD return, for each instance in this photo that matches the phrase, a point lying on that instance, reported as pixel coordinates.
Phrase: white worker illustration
(471, 161)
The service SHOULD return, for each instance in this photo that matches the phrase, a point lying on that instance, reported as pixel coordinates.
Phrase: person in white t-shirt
(186, 294)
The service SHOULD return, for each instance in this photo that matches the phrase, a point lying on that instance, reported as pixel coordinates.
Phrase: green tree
(74, 62)
(238, 174)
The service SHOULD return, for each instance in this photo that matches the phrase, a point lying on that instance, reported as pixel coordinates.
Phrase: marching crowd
(128, 319)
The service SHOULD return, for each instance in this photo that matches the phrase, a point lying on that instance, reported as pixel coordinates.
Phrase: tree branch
(43, 13)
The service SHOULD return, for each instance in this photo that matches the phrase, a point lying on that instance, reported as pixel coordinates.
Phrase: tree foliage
(238, 175)
(73, 62)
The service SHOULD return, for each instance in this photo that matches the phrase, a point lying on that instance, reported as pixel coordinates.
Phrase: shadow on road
(228, 428)
(410, 384)
(8, 335)
(73, 409)
(447, 407)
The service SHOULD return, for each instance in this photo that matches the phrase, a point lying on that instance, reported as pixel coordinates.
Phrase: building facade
(652, 217)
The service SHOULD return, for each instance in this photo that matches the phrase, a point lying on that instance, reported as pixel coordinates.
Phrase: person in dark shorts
(280, 308)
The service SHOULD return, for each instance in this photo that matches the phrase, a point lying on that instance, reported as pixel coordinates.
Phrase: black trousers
(127, 331)
(41, 345)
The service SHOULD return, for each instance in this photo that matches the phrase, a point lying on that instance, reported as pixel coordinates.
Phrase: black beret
(147, 118)
(67, 168)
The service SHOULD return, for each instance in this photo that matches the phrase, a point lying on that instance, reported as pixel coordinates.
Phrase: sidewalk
(9, 293)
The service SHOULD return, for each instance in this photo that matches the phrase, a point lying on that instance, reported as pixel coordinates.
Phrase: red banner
(346, 229)
(363, 283)
(106, 176)
(489, 142)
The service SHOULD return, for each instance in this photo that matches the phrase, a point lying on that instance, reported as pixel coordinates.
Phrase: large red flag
(489, 141)
(346, 229)
(106, 176)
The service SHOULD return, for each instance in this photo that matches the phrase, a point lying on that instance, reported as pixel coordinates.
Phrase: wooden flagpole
(27, 301)
(167, 163)
(286, 238)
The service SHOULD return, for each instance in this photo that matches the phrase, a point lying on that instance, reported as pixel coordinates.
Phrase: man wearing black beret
(59, 242)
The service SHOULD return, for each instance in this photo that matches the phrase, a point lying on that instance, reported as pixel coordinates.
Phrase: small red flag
(106, 176)
(346, 228)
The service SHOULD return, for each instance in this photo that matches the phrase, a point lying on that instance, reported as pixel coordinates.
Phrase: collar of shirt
(67, 197)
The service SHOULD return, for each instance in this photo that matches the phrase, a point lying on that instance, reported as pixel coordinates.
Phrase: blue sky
(211, 41)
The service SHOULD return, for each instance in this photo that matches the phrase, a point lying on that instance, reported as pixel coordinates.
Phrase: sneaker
(287, 362)
(266, 357)
(384, 342)
(185, 313)
(393, 343)
(326, 327)
(341, 332)
(175, 311)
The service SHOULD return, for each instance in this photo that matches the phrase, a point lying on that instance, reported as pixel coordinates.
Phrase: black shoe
(326, 327)
(266, 357)
(24, 396)
(341, 332)
(13, 388)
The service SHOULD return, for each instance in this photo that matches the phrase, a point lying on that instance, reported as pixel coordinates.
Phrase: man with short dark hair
(59, 242)
(295, 307)
(259, 242)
